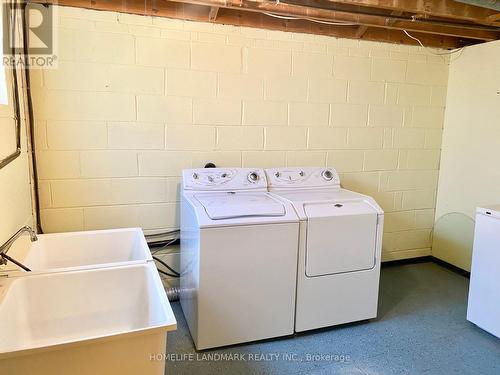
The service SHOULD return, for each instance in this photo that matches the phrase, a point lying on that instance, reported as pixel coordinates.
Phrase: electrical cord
(310, 19)
(176, 274)
(430, 49)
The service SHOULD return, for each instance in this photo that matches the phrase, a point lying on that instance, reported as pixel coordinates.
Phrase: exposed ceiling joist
(212, 14)
(442, 8)
(358, 22)
(326, 15)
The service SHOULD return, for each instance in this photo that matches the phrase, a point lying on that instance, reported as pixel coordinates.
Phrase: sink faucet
(6, 246)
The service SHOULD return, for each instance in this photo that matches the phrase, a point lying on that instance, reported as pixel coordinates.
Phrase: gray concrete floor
(420, 329)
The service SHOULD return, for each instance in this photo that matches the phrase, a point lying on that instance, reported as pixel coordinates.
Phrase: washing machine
(340, 242)
(238, 262)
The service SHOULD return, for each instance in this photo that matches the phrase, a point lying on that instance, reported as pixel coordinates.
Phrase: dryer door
(341, 237)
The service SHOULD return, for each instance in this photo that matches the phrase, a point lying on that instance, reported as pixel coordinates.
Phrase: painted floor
(421, 329)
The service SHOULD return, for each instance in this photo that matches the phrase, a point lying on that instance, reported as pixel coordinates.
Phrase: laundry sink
(100, 321)
(80, 250)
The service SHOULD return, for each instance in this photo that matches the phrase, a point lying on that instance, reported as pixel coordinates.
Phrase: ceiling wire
(430, 49)
(310, 19)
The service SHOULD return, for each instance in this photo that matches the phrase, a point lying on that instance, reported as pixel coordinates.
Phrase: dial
(327, 175)
(253, 177)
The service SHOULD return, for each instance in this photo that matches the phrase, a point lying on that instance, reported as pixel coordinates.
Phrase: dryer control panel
(224, 179)
(302, 178)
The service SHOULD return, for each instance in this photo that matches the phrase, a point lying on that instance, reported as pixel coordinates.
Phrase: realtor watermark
(29, 35)
(250, 357)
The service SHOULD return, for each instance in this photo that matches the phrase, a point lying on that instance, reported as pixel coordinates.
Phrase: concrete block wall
(137, 99)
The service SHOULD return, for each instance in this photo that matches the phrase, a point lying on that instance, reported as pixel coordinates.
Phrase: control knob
(327, 175)
(253, 177)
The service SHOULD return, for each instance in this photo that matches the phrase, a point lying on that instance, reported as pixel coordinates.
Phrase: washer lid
(230, 205)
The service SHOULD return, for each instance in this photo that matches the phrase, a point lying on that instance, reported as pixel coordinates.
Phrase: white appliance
(340, 242)
(484, 295)
(238, 257)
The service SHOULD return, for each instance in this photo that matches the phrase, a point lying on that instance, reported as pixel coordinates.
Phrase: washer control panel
(302, 177)
(226, 179)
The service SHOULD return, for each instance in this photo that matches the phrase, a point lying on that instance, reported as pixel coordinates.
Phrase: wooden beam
(212, 14)
(442, 8)
(240, 17)
(361, 31)
(326, 15)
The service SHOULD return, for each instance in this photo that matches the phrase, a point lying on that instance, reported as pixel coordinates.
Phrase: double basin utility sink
(93, 303)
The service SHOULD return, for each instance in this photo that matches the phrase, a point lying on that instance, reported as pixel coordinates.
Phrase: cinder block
(138, 190)
(305, 159)
(159, 215)
(365, 138)
(408, 180)
(240, 86)
(386, 115)
(424, 219)
(438, 95)
(263, 159)
(96, 46)
(131, 137)
(427, 73)
(311, 64)
(410, 94)
(309, 114)
(257, 62)
(174, 189)
(419, 199)
(265, 113)
(327, 90)
(58, 164)
(378, 160)
(191, 83)
(190, 137)
(109, 164)
(420, 159)
(111, 27)
(164, 109)
(62, 220)
(110, 217)
(352, 68)
(72, 75)
(285, 138)
(163, 163)
(217, 111)
(240, 138)
(162, 52)
(286, 89)
(363, 182)
(346, 160)
(77, 193)
(366, 92)
(76, 135)
(388, 70)
(219, 158)
(327, 138)
(136, 79)
(79, 105)
(409, 138)
(399, 221)
(44, 194)
(428, 117)
(433, 138)
(216, 58)
(349, 115)
(144, 31)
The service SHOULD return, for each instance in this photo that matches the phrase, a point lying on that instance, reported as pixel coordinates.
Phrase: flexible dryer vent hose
(173, 293)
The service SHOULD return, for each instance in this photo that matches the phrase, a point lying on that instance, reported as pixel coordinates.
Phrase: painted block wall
(137, 99)
(470, 173)
(15, 187)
